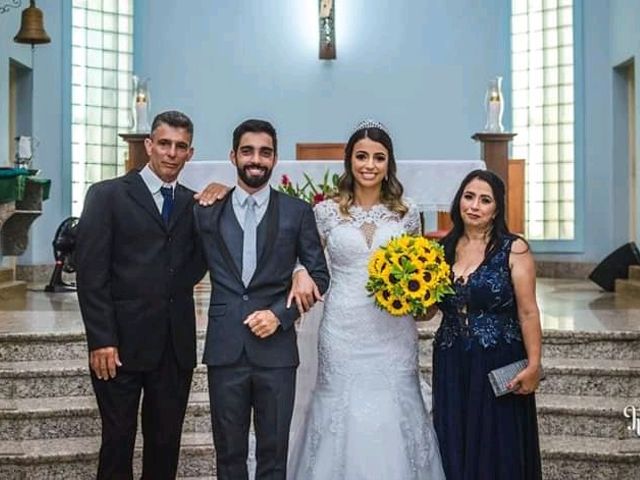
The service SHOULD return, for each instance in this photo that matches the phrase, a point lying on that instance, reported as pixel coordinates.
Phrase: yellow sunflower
(415, 286)
(394, 258)
(430, 278)
(429, 298)
(418, 260)
(383, 298)
(403, 243)
(377, 263)
(444, 271)
(398, 306)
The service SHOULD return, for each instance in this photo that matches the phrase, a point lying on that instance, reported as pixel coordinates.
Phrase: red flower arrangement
(310, 191)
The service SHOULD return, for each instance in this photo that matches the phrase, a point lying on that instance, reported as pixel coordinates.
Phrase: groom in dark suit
(251, 241)
(138, 259)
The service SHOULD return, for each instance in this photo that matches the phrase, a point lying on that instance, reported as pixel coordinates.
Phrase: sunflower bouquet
(408, 275)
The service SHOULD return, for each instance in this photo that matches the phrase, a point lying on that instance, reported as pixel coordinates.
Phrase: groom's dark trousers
(247, 372)
(135, 287)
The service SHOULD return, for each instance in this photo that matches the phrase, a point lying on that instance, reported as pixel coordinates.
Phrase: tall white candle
(141, 118)
(494, 116)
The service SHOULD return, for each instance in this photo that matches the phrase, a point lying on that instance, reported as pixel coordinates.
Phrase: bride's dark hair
(392, 189)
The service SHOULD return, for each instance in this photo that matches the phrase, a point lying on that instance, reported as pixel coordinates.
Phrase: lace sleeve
(411, 220)
(326, 217)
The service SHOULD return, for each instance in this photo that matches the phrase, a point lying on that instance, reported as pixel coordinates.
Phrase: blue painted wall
(624, 29)
(48, 123)
(9, 51)
(419, 66)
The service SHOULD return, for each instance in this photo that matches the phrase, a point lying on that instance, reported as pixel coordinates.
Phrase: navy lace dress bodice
(482, 437)
(483, 309)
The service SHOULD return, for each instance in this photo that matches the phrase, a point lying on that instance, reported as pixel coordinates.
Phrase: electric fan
(64, 244)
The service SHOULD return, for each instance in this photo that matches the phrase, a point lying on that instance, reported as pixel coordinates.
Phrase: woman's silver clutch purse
(500, 377)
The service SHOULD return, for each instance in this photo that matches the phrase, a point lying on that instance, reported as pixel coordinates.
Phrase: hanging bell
(32, 26)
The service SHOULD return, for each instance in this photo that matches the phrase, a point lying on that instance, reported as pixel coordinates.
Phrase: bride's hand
(304, 291)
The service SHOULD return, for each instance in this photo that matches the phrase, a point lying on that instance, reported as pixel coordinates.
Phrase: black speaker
(616, 265)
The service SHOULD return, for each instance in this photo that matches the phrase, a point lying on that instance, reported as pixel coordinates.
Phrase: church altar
(431, 184)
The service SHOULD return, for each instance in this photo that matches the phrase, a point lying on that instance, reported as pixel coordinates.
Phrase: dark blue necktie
(167, 204)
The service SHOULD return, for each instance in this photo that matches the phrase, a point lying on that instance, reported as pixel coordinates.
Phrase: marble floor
(574, 305)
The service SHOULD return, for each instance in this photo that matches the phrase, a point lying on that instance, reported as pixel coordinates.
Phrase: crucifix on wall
(327, 30)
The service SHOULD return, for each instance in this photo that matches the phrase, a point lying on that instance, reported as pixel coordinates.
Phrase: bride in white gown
(367, 418)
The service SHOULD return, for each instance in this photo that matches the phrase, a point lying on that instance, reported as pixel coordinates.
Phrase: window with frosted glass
(102, 64)
(542, 82)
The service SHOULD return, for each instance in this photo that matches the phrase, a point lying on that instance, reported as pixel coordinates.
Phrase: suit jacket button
(171, 271)
(245, 297)
(171, 300)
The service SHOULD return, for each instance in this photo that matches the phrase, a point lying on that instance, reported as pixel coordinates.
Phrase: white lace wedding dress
(367, 418)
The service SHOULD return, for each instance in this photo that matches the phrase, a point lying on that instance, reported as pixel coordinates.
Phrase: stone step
(612, 345)
(634, 272)
(76, 458)
(627, 288)
(21, 347)
(585, 416)
(561, 344)
(577, 458)
(62, 417)
(12, 289)
(568, 376)
(59, 378)
(565, 376)
(66, 417)
(563, 458)
(6, 274)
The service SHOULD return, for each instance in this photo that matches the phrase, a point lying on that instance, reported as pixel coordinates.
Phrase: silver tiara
(369, 123)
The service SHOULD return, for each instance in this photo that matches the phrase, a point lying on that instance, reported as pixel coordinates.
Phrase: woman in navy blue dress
(492, 320)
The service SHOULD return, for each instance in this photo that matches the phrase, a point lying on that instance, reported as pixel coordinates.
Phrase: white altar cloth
(431, 184)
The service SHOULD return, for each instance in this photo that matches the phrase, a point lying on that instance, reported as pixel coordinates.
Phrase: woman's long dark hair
(498, 230)
(391, 193)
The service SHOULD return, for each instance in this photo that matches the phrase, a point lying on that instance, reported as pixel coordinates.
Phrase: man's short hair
(255, 126)
(174, 119)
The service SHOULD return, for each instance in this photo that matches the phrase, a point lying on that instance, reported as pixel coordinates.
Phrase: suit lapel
(138, 191)
(268, 238)
(217, 214)
(182, 199)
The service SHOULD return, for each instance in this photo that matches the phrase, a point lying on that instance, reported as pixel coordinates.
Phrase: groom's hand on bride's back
(304, 291)
(211, 194)
(263, 323)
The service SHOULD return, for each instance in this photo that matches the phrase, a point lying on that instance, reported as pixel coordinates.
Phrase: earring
(386, 178)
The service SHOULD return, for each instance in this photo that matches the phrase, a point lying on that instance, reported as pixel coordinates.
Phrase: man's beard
(251, 181)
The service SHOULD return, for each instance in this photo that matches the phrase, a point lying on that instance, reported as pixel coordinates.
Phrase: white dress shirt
(153, 183)
(239, 197)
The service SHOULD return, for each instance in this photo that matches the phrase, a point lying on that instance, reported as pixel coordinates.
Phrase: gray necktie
(249, 240)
